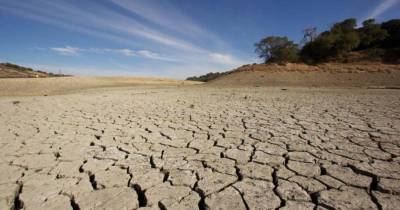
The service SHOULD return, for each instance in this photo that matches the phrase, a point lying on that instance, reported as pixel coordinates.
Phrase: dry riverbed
(201, 148)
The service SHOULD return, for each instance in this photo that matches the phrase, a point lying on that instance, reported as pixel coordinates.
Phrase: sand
(199, 147)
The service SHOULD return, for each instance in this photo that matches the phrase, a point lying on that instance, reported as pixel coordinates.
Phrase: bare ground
(202, 147)
(63, 85)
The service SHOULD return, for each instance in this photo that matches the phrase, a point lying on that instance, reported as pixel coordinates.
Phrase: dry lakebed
(190, 147)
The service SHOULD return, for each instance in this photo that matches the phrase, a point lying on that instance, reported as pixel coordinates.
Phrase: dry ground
(62, 85)
(201, 148)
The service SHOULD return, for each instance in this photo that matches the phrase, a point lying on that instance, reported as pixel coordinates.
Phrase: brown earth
(202, 147)
(61, 85)
(324, 75)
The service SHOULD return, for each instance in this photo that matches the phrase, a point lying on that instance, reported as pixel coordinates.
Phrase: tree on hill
(343, 42)
(393, 29)
(277, 49)
(371, 34)
(341, 39)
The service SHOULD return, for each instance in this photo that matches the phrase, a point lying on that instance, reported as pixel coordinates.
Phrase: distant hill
(9, 70)
(207, 77)
(321, 75)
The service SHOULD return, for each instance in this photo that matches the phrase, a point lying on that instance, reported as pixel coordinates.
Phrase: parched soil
(63, 85)
(201, 148)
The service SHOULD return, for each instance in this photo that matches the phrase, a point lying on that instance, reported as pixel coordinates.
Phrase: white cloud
(99, 20)
(164, 14)
(68, 51)
(225, 59)
(137, 29)
(148, 54)
(155, 56)
(124, 52)
(382, 8)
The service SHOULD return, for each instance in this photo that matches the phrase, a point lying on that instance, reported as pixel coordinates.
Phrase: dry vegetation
(8, 70)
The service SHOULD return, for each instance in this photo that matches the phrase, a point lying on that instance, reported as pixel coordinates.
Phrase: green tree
(275, 49)
(371, 34)
(345, 26)
(345, 36)
(339, 40)
(319, 50)
(345, 42)
(393, 29)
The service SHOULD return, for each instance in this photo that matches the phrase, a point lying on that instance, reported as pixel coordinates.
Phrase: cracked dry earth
(209, 148)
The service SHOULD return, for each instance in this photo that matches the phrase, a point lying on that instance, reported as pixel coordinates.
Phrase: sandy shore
(193, 147)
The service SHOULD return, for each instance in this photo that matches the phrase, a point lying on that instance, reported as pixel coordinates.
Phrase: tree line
(378, 41)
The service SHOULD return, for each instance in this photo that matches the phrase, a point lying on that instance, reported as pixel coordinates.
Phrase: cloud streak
(225, 59)
(382, 8)
(71, 51)
(164, 14)
(99, 20)
(67, 51)
(154, 29)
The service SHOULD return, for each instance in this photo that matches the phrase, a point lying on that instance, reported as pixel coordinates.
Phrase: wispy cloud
(382, 8)
(226, 59)
(124, 52)
(164, 14)
(67, 51)
(155, 30)
(98, 20)
(156, 56)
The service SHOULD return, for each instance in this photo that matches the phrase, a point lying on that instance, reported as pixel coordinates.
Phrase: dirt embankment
(324, 75)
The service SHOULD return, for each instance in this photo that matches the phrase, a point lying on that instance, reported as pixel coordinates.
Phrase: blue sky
(175, 38)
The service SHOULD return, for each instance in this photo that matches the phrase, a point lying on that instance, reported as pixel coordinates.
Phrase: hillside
(322, 75)
(8, 70)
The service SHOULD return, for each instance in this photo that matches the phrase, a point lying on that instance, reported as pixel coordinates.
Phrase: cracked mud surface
(192, 148)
